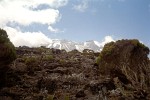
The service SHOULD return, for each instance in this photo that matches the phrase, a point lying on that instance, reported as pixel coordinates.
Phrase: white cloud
(31, 39)
(25, 13)
(26, 17)
(55, 30)
(20, 11)
(82, 6)
(101, 44)
(35, 3)
(107, 39)
(37, 39)
(58, 3)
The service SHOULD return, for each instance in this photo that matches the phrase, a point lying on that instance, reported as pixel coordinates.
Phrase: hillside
(53, 74)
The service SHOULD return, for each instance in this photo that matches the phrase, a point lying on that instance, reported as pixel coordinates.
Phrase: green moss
(98, 59)
(48, 58)
(50, 97)
(41, 49)
(62, 61)
(30, 60)
(67, 97)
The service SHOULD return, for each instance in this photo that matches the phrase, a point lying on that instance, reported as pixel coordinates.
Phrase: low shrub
(48, 58)
(127, 60)
(30, 60)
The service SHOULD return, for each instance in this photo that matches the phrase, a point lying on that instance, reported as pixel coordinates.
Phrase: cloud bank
(23, 13)
(107, 39)
(27, 12)
(31, 39)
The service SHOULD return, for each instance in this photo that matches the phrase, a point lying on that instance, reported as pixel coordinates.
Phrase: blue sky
(119, 19)
(76, 20)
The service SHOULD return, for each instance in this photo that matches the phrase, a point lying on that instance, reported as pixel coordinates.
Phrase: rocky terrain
(53, 74)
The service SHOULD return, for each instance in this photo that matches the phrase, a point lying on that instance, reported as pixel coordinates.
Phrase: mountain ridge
(70, 45)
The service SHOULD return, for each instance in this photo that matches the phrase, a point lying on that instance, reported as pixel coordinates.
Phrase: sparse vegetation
(120, 71)
(66, 97)
(98, 59)
(47, 58)
(30, 60)
(50, 97)
(62, 61)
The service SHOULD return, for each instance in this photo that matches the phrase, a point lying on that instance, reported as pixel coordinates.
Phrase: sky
(36, 22)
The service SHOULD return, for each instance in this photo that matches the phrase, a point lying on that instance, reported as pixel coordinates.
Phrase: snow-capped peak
(97, 43)
(70, 45)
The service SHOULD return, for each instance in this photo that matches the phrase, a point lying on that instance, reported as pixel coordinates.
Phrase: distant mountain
(70, 45)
